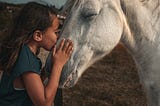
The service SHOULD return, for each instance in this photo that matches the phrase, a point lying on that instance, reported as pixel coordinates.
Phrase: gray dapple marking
(96, 27)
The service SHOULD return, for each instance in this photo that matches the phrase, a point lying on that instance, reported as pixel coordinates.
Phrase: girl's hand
(61, 54)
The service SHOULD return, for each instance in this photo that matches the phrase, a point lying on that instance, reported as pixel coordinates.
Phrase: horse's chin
(70, 81)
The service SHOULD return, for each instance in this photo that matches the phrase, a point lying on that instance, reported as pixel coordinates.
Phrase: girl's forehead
(56, 20)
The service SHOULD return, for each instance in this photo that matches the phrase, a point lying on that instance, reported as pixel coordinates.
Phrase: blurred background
(112, 81)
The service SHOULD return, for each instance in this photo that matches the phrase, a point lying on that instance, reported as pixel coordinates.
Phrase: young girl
(21, 84)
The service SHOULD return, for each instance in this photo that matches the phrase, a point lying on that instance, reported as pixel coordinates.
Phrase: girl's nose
(58, 34)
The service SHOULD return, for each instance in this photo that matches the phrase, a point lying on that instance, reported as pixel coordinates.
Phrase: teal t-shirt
(26, 62)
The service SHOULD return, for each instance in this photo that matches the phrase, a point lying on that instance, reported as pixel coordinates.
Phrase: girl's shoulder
(27, 61)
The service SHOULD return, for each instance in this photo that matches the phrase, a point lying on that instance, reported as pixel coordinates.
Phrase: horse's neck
(143, 24)
(142, 37)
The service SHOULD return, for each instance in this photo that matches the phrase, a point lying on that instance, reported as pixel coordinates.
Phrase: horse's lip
(67, 83)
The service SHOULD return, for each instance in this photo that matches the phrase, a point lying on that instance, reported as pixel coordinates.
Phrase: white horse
(96, 27)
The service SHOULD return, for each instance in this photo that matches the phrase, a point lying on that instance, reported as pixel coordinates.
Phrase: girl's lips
(53, 46)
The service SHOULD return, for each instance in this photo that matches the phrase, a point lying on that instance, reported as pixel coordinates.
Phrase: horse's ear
(37, 35)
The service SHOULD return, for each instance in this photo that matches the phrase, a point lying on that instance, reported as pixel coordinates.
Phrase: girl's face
(50, 36)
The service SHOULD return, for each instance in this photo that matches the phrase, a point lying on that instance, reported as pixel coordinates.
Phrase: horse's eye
(88, 14)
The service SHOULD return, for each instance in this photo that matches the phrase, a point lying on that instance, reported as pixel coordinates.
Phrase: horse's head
(95, 27)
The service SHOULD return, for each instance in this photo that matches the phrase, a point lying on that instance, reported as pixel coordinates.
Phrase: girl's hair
(32, 17)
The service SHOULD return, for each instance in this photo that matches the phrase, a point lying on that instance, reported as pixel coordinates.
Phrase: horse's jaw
(78, 63)
(73, 77)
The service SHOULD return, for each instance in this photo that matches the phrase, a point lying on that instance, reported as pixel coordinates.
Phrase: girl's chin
(49, 48)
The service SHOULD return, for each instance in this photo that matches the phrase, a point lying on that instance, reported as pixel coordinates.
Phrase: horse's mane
(156, 10)
(149, 6)
(153, 6)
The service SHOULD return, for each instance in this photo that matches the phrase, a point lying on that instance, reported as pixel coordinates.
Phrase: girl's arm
(44, 95)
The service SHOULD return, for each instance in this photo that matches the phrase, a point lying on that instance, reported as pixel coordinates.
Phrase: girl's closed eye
(57, 32)
(59, 29)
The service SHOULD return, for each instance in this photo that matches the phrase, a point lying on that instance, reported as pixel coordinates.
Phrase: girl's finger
(69, 46)
(61, 44)
(66, 45)
(54, 50)
(70, 49)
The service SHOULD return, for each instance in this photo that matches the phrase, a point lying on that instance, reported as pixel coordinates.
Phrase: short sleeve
(26, 62)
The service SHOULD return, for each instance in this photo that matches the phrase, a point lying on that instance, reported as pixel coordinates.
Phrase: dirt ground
(112, 81)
